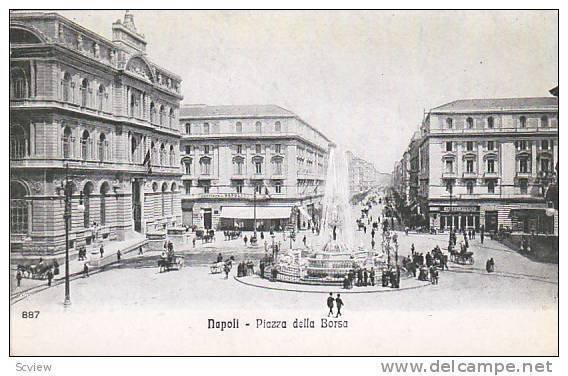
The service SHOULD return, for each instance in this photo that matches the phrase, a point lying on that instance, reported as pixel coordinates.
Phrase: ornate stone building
(489, 162)
(100, 112)
(237, 157)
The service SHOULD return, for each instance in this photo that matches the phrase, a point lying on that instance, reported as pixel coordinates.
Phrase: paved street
(515, 306)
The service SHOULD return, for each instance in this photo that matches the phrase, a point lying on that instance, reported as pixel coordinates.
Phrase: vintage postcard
(243, 183)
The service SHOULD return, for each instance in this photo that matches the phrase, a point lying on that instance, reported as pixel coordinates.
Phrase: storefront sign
(461, 209)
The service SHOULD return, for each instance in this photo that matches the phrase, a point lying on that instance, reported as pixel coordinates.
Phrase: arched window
(162, 155)
(164, 189)
(239, 127)
(469, 123)
(523, 122)
(18, 84)
(152, 112)
(102, 147)
(449, 123)
(100, 97)
(544, 121)
(172, 117)
(188, 128)
(277, 166)
(67, 143)
(238, 165)
(66, 86)
(19, 213)
(172, 198)
(162, 115)
(84, 92)
(490, 122)
(104, 193)
(87, 191)
(172, 156)
(85, 145)
(206, 128)
(258, 127)
(19, 142)
(277, 127)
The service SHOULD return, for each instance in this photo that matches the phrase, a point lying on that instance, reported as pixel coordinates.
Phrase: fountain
(334, 254)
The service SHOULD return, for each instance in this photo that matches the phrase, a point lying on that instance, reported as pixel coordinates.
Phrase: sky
(364, 78)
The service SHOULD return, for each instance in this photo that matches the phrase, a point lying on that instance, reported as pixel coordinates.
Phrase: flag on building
(147, 162)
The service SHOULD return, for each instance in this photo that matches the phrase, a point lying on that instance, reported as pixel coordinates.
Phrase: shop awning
(262, 212)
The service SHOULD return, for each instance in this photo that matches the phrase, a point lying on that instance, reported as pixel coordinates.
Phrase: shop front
(267, 217)
(459, 217)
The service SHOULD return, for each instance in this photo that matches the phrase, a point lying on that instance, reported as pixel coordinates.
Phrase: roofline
(245, 116)
(56, 16)
(439, 109)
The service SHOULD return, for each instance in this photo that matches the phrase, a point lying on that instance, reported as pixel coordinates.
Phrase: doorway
(207, 219)
(136, 206)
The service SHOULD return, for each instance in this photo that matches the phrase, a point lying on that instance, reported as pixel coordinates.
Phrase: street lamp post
(68, 191)
(254, 210)
(451, 213)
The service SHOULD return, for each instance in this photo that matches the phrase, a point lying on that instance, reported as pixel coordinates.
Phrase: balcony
(523, 174)
(449, 175)
(469, 175)
(491, 175)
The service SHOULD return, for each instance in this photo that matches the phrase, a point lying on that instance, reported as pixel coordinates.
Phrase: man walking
(339, 304)
(49, 277)
(118, 255)
(330, 304)
(85, 270)
(19, 277)
(102, 251)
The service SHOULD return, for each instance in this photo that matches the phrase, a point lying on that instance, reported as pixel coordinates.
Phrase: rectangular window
(469, 166)
(278, 188)
(469, 145)
(258, 167)
(187, 186)
(239, 187)
(449, 166)
(544, 144)
(523, 185)
(258, 148)
(278, 148)
(258, 188)
(278, 167)
(544, 165)
(206, 189)
(491, 186)
(490, 145)
(206, 149)
(239, 167)
(187, 165)
(239, 149)
(523, 165)
(448, 146)
(18, 216)
(187, 149)
(206, 167)
(490, 166)
(206, 128)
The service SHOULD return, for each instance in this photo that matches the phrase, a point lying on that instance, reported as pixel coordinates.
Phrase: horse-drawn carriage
(39, 270)
(170, 262)
(463, 258)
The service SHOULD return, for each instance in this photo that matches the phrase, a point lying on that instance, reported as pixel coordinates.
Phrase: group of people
(331, 303)
(245, 268)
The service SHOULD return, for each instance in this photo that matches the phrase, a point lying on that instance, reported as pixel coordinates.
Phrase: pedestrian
(373, 233)
(85, 270)
(245, 239)
(412, 249)
(490, 265)
(262, 235)
(365, 229)
(102, 250)
(330, 301)
(118, 255)
(194, 239)
(140, 252)
(226, 269)
(339, 304)
(49, 277)
(219, 257)
(372, 276)
(365, 277)
(473, 233)
(305, 241)
(373, 244)
(18, 277)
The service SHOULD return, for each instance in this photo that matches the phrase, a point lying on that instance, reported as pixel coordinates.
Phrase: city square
(143, 221)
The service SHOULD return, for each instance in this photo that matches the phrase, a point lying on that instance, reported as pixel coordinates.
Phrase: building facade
(362, 174)
(99, 113)
(239, 162)
(489, 163)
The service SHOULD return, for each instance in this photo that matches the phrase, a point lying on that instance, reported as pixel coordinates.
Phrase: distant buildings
(241, 160)
(485, 162)
(103, 109)
(362, 174)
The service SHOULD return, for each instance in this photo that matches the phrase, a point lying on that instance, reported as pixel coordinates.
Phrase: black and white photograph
(283, 182)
